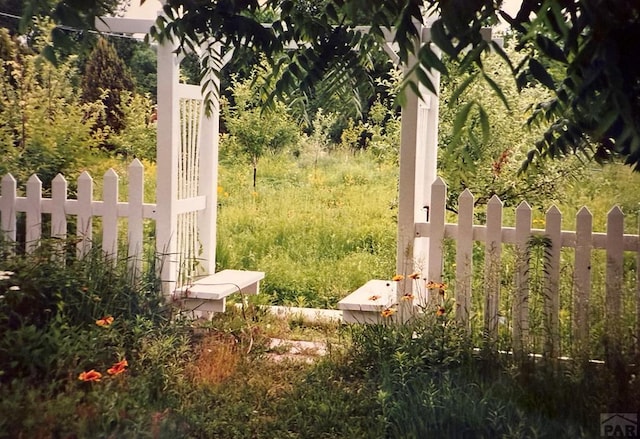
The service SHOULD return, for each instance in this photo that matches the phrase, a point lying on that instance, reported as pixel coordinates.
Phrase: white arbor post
(418, 163)
(187, 175)
(187, 167)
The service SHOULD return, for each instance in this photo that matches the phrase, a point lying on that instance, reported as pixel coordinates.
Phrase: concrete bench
(366, 304)
(209, 293)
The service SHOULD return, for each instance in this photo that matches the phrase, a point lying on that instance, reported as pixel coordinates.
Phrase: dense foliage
(575, 48)
(105, 79)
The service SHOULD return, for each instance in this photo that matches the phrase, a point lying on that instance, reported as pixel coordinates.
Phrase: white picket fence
(582, 242)
(84, 208)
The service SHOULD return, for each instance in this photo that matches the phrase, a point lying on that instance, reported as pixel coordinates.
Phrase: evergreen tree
(105, 78)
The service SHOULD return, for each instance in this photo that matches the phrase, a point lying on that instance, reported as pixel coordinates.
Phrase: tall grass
(318, 228)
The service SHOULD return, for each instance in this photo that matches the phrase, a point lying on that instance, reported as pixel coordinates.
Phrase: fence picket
(615, 232)
(8, 207)
(520, 305)
(84, 208)
(34, 213)
(59, 199)
(135, 215)
(464, 257)
(493, 255)
(110, 214)
(582, 277)
(436, 239)
(553, 230)
(84, 222)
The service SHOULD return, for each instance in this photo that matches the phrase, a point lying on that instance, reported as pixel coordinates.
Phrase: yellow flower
(90, 375)
(105, 321)
(407, 296)
(415, 275)
(440, 311)
(388, 312)
(374, 297)
(397, 277)
(220, 190)
(118, 367)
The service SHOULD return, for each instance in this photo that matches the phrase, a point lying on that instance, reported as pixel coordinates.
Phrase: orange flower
(91, 375)
(435, 285)
(415, 275)
(105, 321)
(118, 367)
(375, 297)
(388, 312)
(397, 277)
(407, 296)
(440, 311)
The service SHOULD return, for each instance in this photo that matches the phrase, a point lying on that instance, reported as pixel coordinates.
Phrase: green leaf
(425, 80)
(484, 124)
(496, 88)
(540, 73)
(49, 54)
(550, 48)
(460, 122)
(461, 88)
(441, 39)
(429, 59)
(473, 56)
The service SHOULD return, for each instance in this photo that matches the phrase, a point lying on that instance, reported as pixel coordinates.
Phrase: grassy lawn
(319, 229)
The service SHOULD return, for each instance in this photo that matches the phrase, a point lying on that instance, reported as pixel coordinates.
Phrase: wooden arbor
(187, 168)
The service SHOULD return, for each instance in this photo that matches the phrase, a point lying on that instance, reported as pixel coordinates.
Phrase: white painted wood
(375, 295)
(492, 260)
(208, 182)
(33, 210)
(582, 277)
(437, 220)
(135, 216)
(223, 284)
(615, 230)
(553, 230)
(407, 195)
(520, 304)
(167, 164)
(58, 214)
(123, 25)
(84, 220)
(464, 257)
(8, 207)
(366, 304)
(209, 293)
(110, 214)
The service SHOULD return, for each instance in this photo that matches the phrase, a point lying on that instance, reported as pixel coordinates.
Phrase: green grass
(319, 230)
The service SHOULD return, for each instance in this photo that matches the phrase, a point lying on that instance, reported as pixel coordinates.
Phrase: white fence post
(464, 257)
(8, 207)
(582, 277)
(615, 249)
(135, 216)
(84, 222)
(167, 166)
(492, 260)
(59, 198)
(110, 214)
(34, 213)
(553, 230)
(520, 305)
